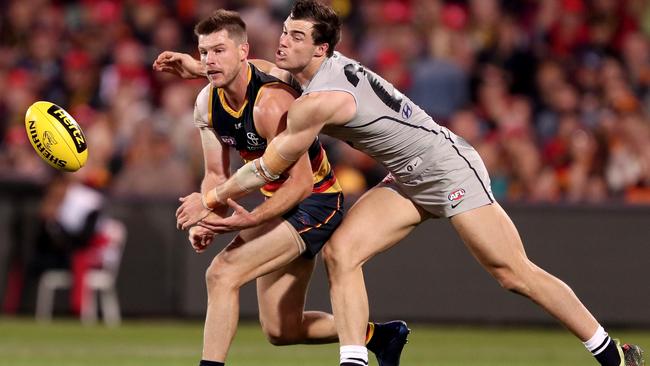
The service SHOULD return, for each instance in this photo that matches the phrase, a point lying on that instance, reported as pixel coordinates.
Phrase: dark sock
(211, 363)
(609, 356)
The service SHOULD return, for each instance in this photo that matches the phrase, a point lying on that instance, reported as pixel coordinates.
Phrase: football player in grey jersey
(434, 173)
(243, 108)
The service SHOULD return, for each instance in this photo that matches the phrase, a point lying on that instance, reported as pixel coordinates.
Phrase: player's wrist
(204, 203)
(199, 70)
(257, 216)
(210, 200)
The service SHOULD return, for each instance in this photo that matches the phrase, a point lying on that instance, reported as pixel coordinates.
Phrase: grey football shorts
(455, 180)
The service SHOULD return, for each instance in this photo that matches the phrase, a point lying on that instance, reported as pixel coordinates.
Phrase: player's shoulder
(275, 95)
(202, 106)
(278, 90)
(271, 109)
(271, 69)
(336, 72)
(203, 98)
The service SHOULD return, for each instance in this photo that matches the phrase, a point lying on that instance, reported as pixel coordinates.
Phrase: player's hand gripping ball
(56, 136)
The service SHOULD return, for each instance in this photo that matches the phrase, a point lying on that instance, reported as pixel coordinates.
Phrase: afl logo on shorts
(407, 110)
(456, 195)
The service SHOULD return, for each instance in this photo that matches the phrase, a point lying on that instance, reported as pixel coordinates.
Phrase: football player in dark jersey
(243, 108)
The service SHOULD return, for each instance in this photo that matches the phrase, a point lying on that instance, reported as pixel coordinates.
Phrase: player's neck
(305, 75)
(235, 91)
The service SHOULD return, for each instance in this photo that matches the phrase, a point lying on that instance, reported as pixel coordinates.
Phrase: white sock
(598, 342)
(357, 355)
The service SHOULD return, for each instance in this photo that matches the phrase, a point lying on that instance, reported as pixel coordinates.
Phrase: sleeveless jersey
(388, 126)
(237, 130)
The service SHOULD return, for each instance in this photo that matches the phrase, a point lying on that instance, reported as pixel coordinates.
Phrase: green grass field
(171, 343)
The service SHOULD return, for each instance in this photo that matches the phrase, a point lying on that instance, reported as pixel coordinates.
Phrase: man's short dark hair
(222, 19)
(327, 25)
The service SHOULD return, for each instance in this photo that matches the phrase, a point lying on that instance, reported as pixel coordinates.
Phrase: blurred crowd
(554, 94)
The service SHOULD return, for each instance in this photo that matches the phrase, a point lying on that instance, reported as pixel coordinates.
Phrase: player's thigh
(378, 220)
(258, 251)
(281, 294)
(491, 236)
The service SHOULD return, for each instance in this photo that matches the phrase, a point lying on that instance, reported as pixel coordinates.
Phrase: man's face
(296, 46)
(222, 57)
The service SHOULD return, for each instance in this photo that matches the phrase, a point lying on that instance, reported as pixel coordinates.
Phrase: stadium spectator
(545, 61)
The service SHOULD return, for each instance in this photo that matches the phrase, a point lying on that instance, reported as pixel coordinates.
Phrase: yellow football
(56, 136)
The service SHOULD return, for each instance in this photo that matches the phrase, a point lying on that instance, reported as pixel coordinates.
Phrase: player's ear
(321, 49)
(243, 51)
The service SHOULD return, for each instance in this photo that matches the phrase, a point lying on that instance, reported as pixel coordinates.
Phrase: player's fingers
(165, 55)
(208, 225)
(234, 205)
(160, 59)
(180, 221)
(199, 248)
(187, 224)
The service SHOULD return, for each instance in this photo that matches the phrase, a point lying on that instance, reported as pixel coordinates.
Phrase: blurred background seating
(554, 94)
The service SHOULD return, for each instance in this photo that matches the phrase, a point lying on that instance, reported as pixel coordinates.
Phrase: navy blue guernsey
(237, 130)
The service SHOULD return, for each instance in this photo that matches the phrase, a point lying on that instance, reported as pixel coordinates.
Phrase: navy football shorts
(315, 220)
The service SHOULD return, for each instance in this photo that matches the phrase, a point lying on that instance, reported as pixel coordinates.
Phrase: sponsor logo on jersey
(238, 126)
(42, 148)
(253, 139)
(70, 126)
(456, 195)
(407, 111)
(229, 140)
(413, 164)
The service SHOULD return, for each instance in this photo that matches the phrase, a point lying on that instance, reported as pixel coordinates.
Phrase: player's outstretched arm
(179, 64)
(271, 69)
(270, 119)
(217, 168)
(304, 122)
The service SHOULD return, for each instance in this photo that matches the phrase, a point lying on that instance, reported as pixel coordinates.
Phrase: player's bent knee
(337, 259)
(222, 274)
(282, 336)
(329, 255)
(282, 339)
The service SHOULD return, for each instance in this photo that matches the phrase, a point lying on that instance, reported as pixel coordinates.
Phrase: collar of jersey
(224, 103)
